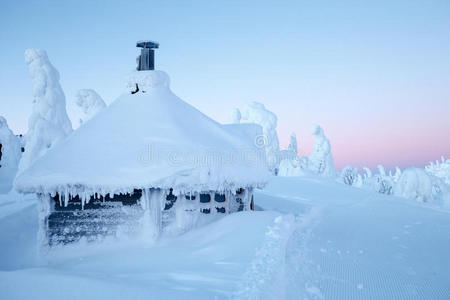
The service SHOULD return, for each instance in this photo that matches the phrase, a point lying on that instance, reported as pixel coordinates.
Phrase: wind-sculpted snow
(90, 103)
(10, 155)
(48, 122)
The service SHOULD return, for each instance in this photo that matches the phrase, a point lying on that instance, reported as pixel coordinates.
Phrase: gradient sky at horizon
(375, 76)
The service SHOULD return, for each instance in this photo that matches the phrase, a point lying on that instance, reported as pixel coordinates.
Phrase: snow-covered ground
(314, 239)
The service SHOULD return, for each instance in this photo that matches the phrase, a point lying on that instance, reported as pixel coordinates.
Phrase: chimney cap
(147, 44)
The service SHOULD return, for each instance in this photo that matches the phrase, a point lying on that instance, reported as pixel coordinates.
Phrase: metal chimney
(146, 61)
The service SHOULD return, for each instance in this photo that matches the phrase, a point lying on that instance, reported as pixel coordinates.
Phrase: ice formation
(321, 160)
(48, 122)
(90, 103)
(10, 155)
(416, 184)
(257, 113)
(440, 169)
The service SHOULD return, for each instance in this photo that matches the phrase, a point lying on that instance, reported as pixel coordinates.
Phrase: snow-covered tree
(90, 103)
(321, 160)
(349, 175)
(48, 122)
(257, 113)
(236, 116)
(380, 182)
(290, 152)
(10, 154)
(416, 184)
(440, 169)
(293, 143)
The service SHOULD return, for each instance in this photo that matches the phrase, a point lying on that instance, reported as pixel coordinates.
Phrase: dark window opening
(219, 197)
(190, 197)
(206, 210)
(220, 209)
(170, 200)
(205, 198)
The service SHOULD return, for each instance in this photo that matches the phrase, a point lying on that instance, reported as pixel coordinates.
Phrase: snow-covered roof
(150, 139)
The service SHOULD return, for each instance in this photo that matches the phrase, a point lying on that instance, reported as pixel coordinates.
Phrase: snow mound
(150, 139)
(416, 184)
(48, 122)
(90, 103)
(147, 80)
(10, 155)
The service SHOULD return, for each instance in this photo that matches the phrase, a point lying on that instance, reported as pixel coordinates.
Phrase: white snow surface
(90, 103)
(10, 157)
(150, 139)
(48, 123)
(315, 239)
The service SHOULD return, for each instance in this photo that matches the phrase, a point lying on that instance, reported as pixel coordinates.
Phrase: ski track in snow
(268, 276)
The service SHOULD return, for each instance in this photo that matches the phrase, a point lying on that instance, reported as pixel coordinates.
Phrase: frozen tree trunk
(48, 122)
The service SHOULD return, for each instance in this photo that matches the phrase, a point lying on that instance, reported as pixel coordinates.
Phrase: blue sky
(375, 75)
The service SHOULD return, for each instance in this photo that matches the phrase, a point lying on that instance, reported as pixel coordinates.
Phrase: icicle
(59, 198)
(66, 197)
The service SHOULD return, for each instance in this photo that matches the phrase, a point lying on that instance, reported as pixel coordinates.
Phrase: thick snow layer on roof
(150, 139)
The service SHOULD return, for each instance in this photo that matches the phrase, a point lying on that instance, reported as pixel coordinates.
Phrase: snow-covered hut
(149, 160)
